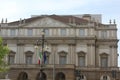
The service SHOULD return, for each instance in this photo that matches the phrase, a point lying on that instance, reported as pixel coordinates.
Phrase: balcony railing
(98, 68)
(67, 66)
(38, 66)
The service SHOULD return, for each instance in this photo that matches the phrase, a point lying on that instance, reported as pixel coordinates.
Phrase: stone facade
(80, 47)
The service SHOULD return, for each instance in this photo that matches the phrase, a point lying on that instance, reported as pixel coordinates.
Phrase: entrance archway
(104, 77)
(60, 76)
(41, 76)
(23, 76)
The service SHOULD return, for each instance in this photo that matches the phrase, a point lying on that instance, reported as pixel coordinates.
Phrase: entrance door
(60, 76)
(41, 76)
(23, 76)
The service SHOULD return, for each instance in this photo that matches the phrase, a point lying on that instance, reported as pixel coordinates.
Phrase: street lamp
(42, 41)
(114, 74)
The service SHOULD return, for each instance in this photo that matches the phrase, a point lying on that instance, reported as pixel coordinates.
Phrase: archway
(60, 76)
(41, 76)
(81, 77)
(104, 77)
(23, 76)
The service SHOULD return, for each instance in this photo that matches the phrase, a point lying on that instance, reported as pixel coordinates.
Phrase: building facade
(79, 47)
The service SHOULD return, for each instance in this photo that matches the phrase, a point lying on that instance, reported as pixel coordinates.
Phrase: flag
(40, 58)
(44, 56)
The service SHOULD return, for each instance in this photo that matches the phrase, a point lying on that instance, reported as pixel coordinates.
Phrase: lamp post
(41, 70)
(114, 74)
(41, 74)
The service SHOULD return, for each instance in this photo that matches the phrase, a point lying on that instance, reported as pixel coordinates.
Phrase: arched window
(104, 60)
(81, 59)
(11, 57)
(28, 57)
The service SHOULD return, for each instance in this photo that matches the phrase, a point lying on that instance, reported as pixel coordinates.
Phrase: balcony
(98, 68)
(68, 66)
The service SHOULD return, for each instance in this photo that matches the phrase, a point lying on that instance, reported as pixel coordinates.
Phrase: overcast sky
(16, 9)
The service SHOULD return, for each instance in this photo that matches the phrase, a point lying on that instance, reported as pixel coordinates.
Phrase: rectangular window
(104, 62)
(28, 59)
(82, 32)
(30, 32)
(62, 60)
(12, 32)
(63, 32)
(103, 34)
(47, 32)
(11, 59)
(81, 61)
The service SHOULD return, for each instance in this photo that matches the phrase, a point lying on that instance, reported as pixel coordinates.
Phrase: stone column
(115, 56)
(97, 55)
(88, 56)
(73, 54)
(54, 53)
(111, 57)
(69, 55)
(91, 55)
(20, 53)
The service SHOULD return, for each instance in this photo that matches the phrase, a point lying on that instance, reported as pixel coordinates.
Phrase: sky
(16, 9)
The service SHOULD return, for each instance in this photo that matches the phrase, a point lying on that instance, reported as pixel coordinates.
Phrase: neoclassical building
(80, 47)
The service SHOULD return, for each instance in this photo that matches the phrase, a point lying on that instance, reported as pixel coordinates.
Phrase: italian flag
(40, 58)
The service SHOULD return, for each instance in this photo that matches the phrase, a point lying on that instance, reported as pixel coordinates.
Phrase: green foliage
(4, 51)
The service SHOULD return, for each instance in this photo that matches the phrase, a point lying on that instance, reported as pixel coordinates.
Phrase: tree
(4, 51)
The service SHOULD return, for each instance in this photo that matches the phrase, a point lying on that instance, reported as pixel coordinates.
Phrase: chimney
(87, 17)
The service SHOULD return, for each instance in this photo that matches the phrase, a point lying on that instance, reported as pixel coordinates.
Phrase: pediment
(47, 22)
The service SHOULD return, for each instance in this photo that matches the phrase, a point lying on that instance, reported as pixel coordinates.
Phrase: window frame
(11, 59)
(104, 34)
(81, 32)
(62, 60)
(29, 32)
(104, 60)
(47, 32)
(63, 32)
(13, 32)
(29, 54)
(28, 59)
(62, 57)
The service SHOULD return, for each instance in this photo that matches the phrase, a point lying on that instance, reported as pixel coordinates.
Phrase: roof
(65, 19)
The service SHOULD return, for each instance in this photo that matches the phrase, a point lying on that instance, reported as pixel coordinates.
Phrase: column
(111, 57)
(97, 55)
(89, 54)
(115, 56)
(93, 55)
